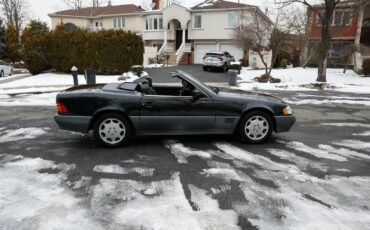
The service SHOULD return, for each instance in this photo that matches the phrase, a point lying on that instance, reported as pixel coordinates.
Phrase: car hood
(241, 94)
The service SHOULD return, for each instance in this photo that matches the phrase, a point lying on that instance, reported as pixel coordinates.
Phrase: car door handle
(148, 104)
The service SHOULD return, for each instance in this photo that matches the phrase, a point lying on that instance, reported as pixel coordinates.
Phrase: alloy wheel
(256, 128)
(112, 131)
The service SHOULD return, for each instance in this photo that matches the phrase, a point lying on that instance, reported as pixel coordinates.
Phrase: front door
(176, 114)
(179, 38)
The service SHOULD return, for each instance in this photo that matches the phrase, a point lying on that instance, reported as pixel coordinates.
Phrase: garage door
(233, 49)
(201, 49)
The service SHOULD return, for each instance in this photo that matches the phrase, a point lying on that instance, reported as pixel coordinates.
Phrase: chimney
(155, 4)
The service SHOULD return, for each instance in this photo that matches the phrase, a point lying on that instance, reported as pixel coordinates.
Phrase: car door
(177, 114)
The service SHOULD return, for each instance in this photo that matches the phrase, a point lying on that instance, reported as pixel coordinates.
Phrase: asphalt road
(258, 193)
(162, 75)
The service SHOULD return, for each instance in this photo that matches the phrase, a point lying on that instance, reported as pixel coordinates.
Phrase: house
(350, 30)
(185, 34)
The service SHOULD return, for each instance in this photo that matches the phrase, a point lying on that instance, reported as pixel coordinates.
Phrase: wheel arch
(110, 110)
(254, 109)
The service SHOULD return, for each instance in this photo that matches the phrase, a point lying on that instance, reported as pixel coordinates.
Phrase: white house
(186, 34)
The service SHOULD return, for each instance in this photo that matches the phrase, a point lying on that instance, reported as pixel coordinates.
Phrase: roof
(219, 4)
(100, 11)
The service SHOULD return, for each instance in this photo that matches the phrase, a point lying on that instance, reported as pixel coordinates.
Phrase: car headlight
(287, 111)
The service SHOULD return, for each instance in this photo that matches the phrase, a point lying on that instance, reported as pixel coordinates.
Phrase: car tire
(205, 68)
(225, 68)
(11, 72)
(112, 130)
(255, 127)
(1, 74)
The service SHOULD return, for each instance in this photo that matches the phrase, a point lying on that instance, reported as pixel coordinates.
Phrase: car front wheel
(255, 127)
(112, 130)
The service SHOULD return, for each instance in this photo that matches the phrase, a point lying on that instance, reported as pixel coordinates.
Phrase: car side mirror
(197, 96)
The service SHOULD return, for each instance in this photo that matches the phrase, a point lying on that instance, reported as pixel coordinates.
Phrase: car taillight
(220, 58)
(61, 108)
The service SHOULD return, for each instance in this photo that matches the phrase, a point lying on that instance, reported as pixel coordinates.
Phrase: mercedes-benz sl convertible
(117, 112)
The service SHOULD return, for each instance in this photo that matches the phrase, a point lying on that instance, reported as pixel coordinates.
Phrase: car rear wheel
(11, 73)
(205, 68)
(255, 127)
(225, 68)
(1, 74)
(112, 130)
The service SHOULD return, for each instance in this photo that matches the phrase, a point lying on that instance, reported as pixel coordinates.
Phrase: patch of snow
(320, 102)
(347, 125)
(223, 173)
(116, 169)
(344, 152)
(354, 144)
(45, 99)
(182, 153)
(33, 200)
(318, 153)
(293, 78)
(208, 212)
(301, 162)
(364, 134)
(21, 134)
(343, 170)
(53, 79)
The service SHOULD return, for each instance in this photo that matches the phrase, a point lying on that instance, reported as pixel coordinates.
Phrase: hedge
(107, 51)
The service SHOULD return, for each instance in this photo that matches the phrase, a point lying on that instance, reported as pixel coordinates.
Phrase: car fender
(255, 106)
(113, 109)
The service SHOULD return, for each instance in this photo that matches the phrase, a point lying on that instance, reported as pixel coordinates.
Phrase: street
(317, 175)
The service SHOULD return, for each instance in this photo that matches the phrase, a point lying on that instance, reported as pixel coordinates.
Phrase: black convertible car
(117, 112)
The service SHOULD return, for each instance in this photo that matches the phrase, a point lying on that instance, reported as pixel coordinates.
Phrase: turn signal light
(61, 108)
(287, 111)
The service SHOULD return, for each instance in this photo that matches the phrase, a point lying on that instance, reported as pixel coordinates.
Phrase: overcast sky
(40, 8)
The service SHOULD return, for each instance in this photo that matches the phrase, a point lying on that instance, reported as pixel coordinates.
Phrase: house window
(154, 23)
(198, 21)
(119, 23)
(336, 50)
(347, 18)
(98, 24)
(231, 19)
(338, 18)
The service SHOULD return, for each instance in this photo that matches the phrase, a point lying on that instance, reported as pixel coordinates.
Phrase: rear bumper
(73, 123)
(284, 123)
(213, 65)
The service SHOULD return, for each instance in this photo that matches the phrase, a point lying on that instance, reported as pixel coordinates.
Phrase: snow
(293, 78)
(10, 135)
(116, 169)
(347, 125)
(182, 153)
(364, 134)
(53, 79)
(318, 153)
(354, 144)
(33, 200)
(45, 99)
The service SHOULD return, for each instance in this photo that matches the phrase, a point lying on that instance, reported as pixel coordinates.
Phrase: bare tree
(15, 13)
(252, 33)
(74, 4)
(257, 33)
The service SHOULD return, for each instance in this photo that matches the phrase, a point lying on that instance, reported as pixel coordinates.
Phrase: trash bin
(90, 76)
(233, 76)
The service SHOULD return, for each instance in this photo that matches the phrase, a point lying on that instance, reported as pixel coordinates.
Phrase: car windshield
(195, 80)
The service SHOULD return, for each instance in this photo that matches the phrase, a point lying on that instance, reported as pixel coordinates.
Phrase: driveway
(162, 75)
(315, 177)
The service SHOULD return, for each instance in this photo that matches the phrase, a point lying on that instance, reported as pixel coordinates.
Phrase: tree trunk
(324, 46)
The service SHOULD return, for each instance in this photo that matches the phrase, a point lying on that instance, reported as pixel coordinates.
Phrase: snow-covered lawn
(293, 79)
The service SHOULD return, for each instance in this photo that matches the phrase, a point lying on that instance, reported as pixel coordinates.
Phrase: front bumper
(284, 123)
(73, 123)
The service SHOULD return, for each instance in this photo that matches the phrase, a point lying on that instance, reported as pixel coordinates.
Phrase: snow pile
(45, 99)
(294, 79)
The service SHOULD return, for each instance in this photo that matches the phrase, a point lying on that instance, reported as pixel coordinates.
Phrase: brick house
(350, 30)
